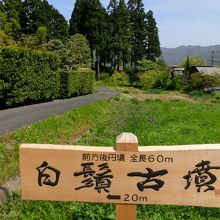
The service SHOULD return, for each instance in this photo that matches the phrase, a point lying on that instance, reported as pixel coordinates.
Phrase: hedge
(28, 76)
(76, 83)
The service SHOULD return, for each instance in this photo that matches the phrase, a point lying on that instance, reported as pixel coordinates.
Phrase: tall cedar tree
(138, 30)
(119, 32)
(113, 35)
(89, 18)
(153, 42)
(36, 13)
(11, 9)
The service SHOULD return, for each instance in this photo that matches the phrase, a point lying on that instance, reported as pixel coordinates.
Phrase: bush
(146, 65)
(104, 76)
(76, 83)
(107, 69)
(203, 82)
(133, 74)
(153, 79)
(118, 78)
(27, 76)
(175, 83)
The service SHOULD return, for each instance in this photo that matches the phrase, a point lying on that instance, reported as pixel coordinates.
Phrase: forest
(119, 35)
(118, 45)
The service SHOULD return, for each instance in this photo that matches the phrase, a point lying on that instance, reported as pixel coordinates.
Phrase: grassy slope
(154, 123)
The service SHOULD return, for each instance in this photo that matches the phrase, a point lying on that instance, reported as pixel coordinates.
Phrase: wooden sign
(174, 175)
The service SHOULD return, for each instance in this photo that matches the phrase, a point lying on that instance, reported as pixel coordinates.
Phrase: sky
(180, 22)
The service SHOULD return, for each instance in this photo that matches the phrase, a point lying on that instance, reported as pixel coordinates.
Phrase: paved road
(12, 119)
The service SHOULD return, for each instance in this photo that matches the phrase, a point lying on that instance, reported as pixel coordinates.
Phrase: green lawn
(153, 122)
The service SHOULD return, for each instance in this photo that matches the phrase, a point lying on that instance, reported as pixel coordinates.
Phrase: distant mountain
(173, 56)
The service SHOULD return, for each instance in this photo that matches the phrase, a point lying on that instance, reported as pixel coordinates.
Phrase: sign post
(126, 176)
(126, 142)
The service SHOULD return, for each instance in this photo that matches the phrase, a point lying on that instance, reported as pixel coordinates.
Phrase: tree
(113, 46)
(190, 61)
(119, 31)
(57, 47)
(36, 13)
(138, 30)
(193, 61)
(153, 42)
(41, 35)
(11, 9)
(77, 53)
(89, 18)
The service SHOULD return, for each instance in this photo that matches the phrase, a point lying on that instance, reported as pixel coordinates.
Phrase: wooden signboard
(174, 175)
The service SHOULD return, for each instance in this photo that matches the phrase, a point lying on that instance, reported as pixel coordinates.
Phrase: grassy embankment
(153, 122)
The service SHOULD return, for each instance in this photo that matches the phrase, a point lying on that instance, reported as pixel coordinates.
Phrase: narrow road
(11, 119)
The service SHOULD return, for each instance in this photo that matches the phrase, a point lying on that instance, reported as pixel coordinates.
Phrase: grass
(63, 129)
(153, 122)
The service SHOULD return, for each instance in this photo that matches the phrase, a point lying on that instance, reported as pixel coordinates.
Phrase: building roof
(208, 70)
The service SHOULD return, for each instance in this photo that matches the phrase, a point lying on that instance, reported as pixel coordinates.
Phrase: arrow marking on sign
(113, 197)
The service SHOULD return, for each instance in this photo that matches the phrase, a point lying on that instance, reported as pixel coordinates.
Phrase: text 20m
(159, 159)
(134, 198)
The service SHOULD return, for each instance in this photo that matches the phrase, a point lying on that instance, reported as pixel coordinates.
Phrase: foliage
(176, 83)
(36, 13)
(76, 83)
(5, 40)
(193, 61)
(202, 82)
(29, 76)
(41, 35)
(138, 30)
(89, 18)
(119, 78)
(133, 74)
(153, 42)
(119, 32)
(146, 65)
(54, 45)
(153, 79)
(108, 70)
(77, 53)
(57, 46)
(11, 25)
(104, 76)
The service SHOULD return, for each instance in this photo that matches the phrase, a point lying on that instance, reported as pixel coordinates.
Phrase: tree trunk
(118, 62)
(97, 65)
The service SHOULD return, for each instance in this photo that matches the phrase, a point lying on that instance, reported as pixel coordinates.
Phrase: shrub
(118, 78)
(146, 65)
(133, 74)
(153, 79)
(28, 76)
(175, 83)
(104, 76)
(107, 69)
(143, 66)
(76, 83)
(200, 81)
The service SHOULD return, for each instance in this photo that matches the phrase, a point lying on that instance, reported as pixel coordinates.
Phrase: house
(176, 71)
(208, 70)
